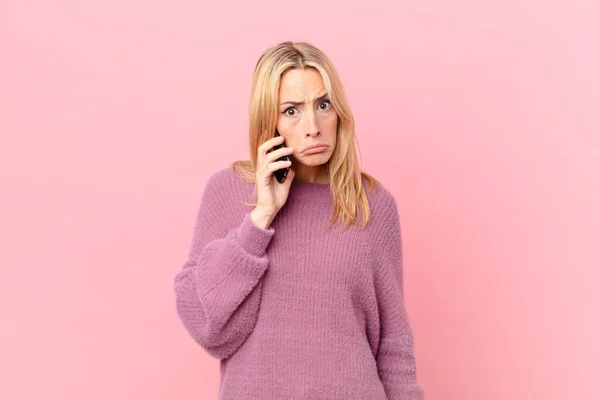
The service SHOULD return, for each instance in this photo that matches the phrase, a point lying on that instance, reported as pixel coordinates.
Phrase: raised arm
(218, 289)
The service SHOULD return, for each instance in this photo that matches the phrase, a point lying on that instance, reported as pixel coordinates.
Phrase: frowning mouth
(315, 148)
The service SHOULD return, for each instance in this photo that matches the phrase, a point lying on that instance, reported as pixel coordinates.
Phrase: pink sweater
(298, 311)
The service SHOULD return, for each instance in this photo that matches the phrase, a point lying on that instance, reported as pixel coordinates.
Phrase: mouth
(315, 148)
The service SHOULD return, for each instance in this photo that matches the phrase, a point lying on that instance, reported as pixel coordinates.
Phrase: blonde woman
(295, 297)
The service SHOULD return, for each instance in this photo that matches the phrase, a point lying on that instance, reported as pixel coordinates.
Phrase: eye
(325, 103)
(290, 109)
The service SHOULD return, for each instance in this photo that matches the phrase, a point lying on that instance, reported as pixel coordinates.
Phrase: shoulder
(220, 178)
(382, 202)
(225, 179)
(383, 227)
(384, 221)
(227, 191)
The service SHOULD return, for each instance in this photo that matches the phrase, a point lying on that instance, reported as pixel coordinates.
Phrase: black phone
(281, 173)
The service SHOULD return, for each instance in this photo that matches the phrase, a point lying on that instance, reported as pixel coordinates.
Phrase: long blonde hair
(345, 175)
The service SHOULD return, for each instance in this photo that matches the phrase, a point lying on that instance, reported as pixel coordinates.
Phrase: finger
(290, 176)
(263, 148)
(274, 166)
(271, 143)
(275, 154)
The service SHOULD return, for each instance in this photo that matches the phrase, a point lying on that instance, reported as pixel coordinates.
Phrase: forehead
(301, 82)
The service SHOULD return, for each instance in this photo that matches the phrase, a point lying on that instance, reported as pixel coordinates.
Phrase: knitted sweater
(298, 310)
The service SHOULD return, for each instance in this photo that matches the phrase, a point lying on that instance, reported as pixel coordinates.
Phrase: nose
(312, 128)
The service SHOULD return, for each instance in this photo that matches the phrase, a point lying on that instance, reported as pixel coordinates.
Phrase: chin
(314, 161)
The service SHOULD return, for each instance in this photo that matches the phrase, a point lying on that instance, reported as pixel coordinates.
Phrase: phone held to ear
(281, 173)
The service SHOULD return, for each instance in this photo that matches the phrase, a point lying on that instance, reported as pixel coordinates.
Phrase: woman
(293, 307)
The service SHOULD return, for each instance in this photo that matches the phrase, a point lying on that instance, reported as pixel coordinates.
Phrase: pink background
(481, 118)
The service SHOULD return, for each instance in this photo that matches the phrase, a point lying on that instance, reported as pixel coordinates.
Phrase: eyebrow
(296, 103)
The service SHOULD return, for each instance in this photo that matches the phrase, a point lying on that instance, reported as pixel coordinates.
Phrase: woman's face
(306, 117)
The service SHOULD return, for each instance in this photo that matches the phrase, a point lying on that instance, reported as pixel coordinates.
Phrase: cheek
(330, 122)
(289, 124)
(291, 132)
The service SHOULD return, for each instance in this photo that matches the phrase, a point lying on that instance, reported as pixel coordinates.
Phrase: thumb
(290, 177)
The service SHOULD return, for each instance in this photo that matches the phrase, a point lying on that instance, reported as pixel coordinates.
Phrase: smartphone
(281, 173)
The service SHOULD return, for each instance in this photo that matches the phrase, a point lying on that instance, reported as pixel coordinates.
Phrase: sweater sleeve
(395, 356)
(218, 289)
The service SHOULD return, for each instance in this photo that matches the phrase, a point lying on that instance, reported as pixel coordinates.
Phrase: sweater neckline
(310, 190)
(309, 184)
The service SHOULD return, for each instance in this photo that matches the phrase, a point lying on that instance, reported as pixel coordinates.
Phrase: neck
(317, 175)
